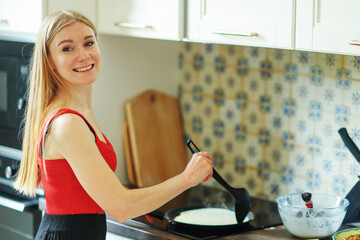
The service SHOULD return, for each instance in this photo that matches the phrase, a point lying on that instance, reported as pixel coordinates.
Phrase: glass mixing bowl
(323, 220)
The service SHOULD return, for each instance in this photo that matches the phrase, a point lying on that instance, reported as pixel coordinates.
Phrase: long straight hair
(42, 87)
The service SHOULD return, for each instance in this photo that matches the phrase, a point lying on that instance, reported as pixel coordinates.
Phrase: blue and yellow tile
(270, 117)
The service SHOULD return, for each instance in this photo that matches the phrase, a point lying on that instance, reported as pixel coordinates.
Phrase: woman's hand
(199, 169)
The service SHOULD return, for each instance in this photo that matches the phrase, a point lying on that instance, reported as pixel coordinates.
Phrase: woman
(64, 148)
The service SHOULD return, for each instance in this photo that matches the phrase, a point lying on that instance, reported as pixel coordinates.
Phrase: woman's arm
(75, 142)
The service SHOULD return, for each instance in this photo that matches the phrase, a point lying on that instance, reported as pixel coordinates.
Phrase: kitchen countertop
(137, 230)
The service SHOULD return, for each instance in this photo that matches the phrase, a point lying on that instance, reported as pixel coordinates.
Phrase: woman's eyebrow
(88, 36)
(70, 41)
(65, 41)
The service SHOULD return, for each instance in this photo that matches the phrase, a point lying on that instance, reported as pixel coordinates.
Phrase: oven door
(19, 216)
(13, 76)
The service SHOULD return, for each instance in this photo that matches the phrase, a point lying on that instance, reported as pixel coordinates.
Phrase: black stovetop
(265, 213)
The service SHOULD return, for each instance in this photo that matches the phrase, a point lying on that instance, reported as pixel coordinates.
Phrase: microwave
(14, 73)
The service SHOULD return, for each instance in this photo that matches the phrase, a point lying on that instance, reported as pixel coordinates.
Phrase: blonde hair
(42, 87)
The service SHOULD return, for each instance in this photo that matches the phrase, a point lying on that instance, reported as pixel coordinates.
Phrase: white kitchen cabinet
(20, 19)
(86, 7)
(330, 26)
(157, 19)
(260, 23)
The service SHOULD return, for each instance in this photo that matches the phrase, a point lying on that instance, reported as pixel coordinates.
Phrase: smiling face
(74, 54)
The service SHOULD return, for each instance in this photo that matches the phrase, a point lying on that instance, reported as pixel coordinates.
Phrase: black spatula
(241, 195)
(353, 213)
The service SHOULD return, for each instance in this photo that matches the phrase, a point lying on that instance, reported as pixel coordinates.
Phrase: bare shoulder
(70, 127)
(67, 122)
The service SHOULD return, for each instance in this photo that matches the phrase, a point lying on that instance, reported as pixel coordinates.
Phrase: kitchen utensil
(307, 199)
(327, 215)
(353, 214)
(241, 195)
(308, 203)
(173, 213)
(154, 117)
(128, 155)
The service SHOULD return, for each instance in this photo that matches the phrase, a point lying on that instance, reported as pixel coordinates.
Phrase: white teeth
(83, 69)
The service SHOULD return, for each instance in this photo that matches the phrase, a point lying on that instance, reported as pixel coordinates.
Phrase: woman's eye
(89, 43)
(66, 49)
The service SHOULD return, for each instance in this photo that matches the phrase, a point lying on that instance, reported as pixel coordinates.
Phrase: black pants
(72, 227)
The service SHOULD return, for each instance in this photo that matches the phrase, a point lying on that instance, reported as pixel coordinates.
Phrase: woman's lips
(84, 69)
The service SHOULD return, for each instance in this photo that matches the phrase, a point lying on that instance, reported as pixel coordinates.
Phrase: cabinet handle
(242, 34)
(354, 42)
(132, 25)
(4, 21)
(18, 205)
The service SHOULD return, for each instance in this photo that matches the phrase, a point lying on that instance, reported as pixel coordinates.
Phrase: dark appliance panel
(14, 72)
(265, 213)
(19, 215)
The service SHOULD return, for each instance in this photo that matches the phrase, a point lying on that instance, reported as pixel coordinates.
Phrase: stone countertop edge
(137, 230)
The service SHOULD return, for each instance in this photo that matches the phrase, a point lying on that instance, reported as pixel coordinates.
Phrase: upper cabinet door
(20, 17)
(331, 26)
(85, 7)
(158, 19)
(260, 23)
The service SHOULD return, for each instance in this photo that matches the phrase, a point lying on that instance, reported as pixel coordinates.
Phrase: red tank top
(63, 192)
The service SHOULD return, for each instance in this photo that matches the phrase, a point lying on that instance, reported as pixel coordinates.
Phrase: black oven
(19, 215)
(14, 72)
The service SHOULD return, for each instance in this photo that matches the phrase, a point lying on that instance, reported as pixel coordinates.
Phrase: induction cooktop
(265, 213)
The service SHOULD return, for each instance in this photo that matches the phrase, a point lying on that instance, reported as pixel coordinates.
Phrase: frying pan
(173, 213)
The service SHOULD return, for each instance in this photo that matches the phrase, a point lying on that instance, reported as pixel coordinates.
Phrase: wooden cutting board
(128, 155)
(156, 137)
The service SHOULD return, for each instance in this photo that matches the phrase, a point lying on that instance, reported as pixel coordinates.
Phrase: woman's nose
(82, 54)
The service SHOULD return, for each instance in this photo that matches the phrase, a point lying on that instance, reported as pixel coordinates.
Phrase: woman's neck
(75, 98)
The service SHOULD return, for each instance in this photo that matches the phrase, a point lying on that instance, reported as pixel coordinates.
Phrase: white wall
(130, 66)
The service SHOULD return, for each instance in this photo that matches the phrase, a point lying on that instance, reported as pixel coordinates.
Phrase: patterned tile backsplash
(270, 117)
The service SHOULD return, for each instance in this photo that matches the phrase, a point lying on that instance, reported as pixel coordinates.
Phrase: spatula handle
(349, 143)
(191, 145)
(221, 181)
(194, 149)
